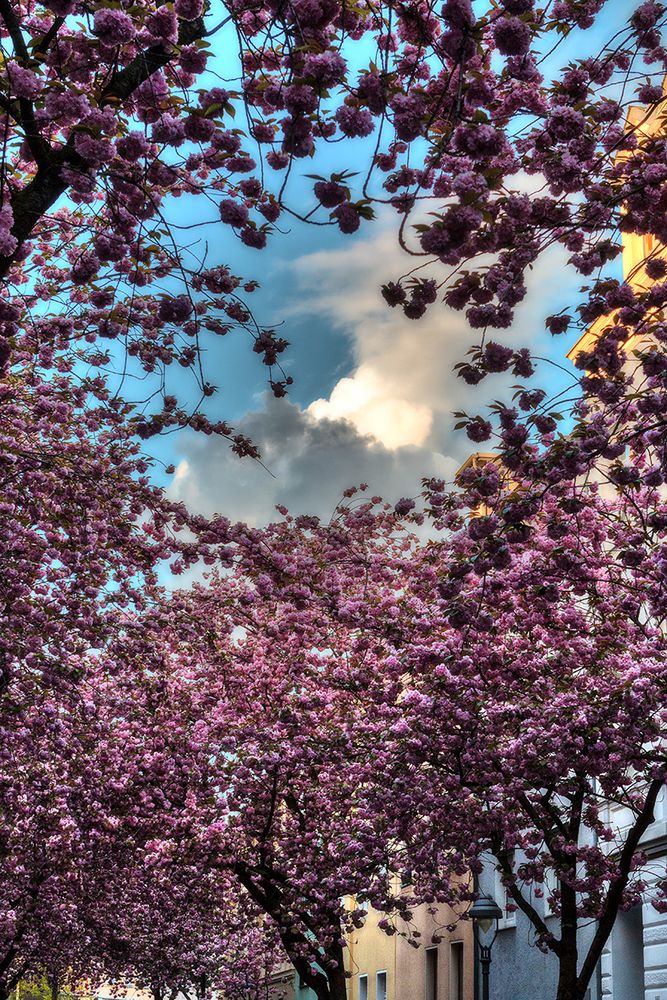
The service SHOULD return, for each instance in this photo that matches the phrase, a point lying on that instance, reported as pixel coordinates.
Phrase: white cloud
(363, 400)
(403, 372)
(388, 421)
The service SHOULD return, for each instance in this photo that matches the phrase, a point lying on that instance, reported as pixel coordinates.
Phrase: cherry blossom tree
(83, 537)
(531, 727)
(160, 918)
(328, 648)
(68, 824)
(92, 789)
(180, 928)
(375, 697)
(83, 532)
(263, 663)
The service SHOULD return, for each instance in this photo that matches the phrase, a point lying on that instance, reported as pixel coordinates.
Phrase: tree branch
(148, 62)
(522, 902)
(42, 46)
(14, 28)
(33, 201)
(618, 885)
(292, 939)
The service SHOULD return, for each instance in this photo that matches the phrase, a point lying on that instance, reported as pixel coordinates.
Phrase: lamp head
(484, 912)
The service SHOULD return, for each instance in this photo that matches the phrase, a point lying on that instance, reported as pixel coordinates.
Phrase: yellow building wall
(369, 951)
(645, 123)
(635, 248)
(372, 951)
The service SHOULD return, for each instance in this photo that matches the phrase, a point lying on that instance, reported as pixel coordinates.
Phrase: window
(431, 976)
(456, 968)
(503, 899)
(363, 987)
(381, 986)
(549, 886)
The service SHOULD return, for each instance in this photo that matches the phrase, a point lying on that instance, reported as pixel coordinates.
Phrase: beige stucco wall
(371, 950)
(411, 962)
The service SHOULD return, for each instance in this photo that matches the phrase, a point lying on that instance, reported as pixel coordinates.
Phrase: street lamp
(485, 914)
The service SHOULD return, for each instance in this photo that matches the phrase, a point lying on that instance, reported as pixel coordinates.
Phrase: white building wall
(655, 953)
(632, 947)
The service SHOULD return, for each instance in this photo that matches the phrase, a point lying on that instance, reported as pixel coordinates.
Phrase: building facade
(634, 962)
(519, 970)
(384, 966)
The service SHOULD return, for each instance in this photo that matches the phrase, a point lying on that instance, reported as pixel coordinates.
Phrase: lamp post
(485, 914)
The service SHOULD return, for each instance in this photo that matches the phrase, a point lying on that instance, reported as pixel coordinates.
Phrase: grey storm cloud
(306, 465)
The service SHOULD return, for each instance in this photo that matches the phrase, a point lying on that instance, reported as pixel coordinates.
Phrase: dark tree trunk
(337, 979)
(572, 984)
(326, 985)
(568, 985)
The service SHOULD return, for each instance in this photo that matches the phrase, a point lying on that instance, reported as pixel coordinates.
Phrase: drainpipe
(475, 950)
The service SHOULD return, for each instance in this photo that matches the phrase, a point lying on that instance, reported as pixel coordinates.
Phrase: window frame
(502, 898)
(428, 953)
(456, 970)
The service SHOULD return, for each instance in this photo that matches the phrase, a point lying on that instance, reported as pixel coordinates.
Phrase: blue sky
(373, 392)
